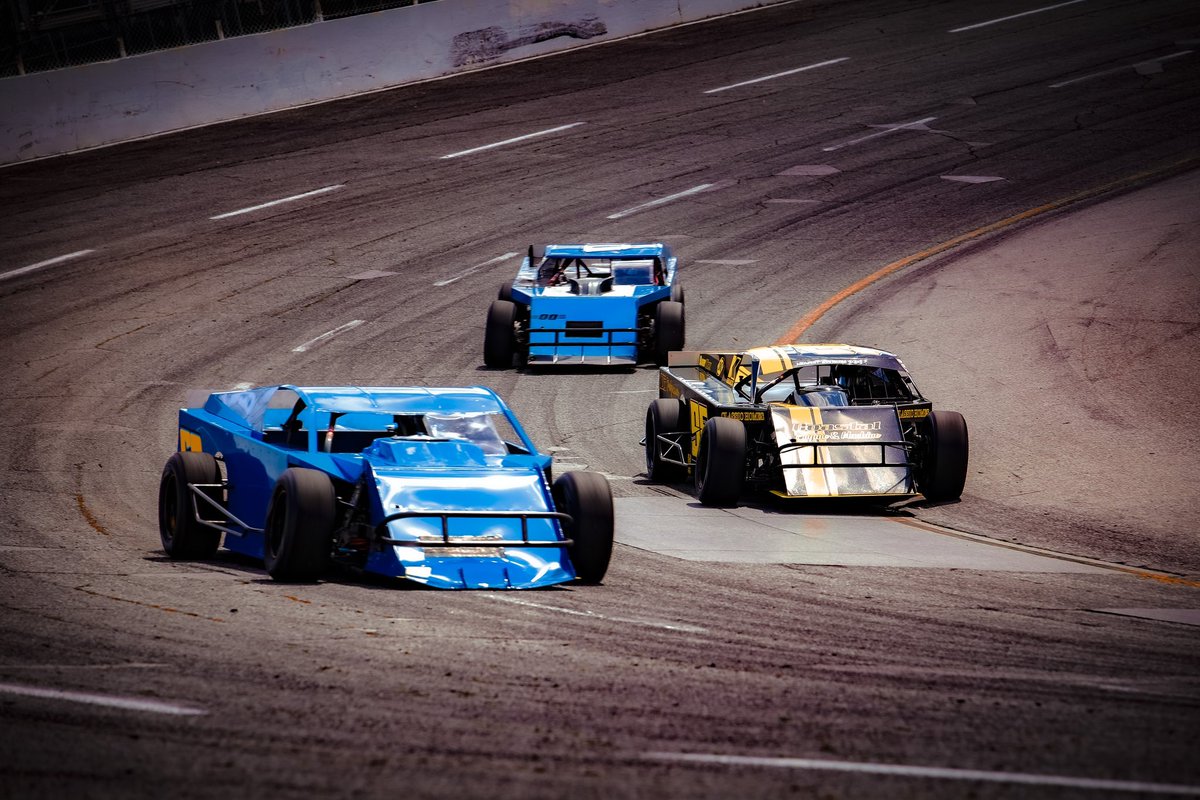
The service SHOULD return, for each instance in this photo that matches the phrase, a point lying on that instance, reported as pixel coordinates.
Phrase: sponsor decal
(667, 387)
(913, 413)
(552, 316)
(745, 416)
(189, 441)
(836, 431)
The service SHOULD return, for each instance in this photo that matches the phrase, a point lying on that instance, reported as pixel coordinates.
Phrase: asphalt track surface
(1069, 340)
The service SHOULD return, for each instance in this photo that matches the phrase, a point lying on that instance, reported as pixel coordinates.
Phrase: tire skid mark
(143, 604)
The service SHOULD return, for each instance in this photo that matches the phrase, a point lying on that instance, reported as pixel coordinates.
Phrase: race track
(1041, 638)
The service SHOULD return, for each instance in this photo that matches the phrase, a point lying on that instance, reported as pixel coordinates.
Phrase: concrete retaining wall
(60, 111)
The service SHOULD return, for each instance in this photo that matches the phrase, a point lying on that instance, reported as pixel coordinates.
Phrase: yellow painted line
(1147, 574)
(808, 320)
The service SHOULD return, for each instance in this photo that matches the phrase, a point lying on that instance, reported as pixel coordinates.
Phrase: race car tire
(183, 537)
(505, 291)
(664, 416)
(668, 330)
(587, 499)
(677, 292)
(721, 462)
(498, 339)
(944, 468)
(299, 531)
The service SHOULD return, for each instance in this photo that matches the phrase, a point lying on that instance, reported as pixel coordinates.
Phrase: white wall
(48, 113)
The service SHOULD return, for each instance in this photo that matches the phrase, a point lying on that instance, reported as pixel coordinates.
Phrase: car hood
(841, 451)
(418, 508)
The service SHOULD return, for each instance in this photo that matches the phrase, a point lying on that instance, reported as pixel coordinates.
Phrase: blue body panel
(402, 472)
(593, 317)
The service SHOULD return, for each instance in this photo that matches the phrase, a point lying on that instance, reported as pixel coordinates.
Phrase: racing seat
(590, 286)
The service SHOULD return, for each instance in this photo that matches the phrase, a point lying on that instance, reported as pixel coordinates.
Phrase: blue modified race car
(439, 486)
(604, 304)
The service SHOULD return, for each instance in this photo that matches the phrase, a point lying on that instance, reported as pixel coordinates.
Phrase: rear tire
(944, 466)
(299, 530)
(664, 416)
(721, 463)
(182, 536)
(585, 496)
(677, 292)
(499, 339)
(668, 330)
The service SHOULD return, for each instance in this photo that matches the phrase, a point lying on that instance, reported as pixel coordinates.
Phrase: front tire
(668, 330)
(587, 499)
(182, 536)
(944, 466)
(299, 530)
(721, 463)
(664, 416)
(499, 339)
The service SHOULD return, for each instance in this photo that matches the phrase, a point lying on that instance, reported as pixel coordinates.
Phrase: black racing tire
(668, 330)
(182, 536)
(664, 415)
(298, 537)
(499, 339)
(587, 499)
(677, 292)
(505, 292)
(721, 464)
(943, 470)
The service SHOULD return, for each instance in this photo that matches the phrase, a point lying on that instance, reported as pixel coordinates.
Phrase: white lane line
(513, 140)
(281, 200)
(942, 773)
(886, 130)
(728, 262)
(49, 262)
(778, 75)
(1146, 67)
(685, 193)
(476, 268)
(127, 703)
(1013, 16)
(311, 343)
(632, 391)
(670, 626)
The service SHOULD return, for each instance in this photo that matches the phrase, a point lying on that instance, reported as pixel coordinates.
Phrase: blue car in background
(602, 304)
(438, 486)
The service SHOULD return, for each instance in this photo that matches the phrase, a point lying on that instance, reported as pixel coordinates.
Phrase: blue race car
(439, 486)
(605, 304)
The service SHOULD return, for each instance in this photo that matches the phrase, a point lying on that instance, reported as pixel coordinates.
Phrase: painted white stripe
(513, 140)
(49, 262)
(729, 262)
(109, 701)
(1138, 66)
(886, 130)
(670, 626)
(632, 391)
(311, 343)
(941, 773)
(778, 75)
(281, 200)
(1013, 16)
(476, 268)
(660, 201)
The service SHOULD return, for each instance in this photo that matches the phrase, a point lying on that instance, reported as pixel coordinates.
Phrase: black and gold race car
(812, 420)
